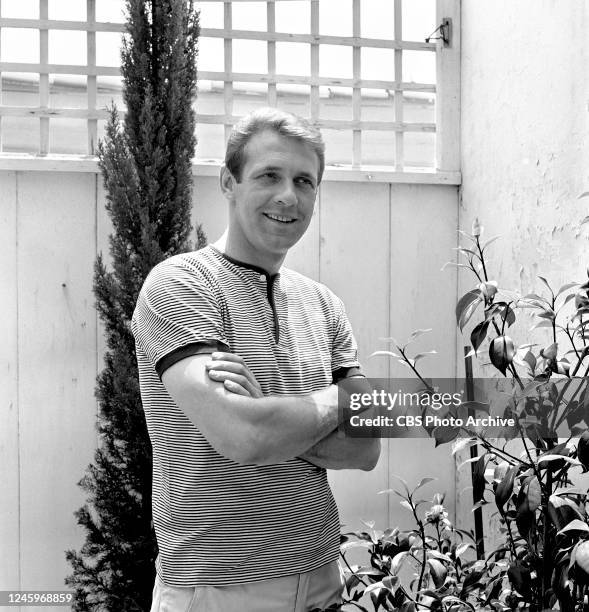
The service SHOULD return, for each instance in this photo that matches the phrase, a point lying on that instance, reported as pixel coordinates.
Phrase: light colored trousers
(296, 593)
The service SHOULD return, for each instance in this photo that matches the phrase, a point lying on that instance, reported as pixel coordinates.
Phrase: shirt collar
(243, 264)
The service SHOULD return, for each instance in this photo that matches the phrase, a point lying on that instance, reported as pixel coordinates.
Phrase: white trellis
(446, 87)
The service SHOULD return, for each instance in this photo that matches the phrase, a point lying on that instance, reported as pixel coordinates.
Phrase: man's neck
(229, 247)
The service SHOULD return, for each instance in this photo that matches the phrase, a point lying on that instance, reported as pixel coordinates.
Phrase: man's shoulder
(304, 283)
(199, 263)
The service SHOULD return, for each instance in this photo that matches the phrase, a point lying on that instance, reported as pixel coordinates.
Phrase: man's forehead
(269, 148)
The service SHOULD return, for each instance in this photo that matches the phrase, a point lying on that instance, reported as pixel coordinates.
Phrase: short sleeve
(177, 315)
(344, 360)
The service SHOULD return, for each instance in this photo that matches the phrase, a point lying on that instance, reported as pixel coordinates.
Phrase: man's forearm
(339, 452)
(251, 430)
(336, 452)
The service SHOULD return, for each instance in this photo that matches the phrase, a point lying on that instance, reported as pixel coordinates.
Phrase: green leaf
(562, 511)
(436, 554)
(465, 251)
(462, 444)
(471, 238)
(524, 520)
(468, 461)
(519, 576)
(403, 481)
(369, 571)
(355, 544)
(384, 354)
(423, 482)
(540, 324)
(418, 332)
(548, 314)
(462, 548)
(505, 487)
(471, 583)
(452, 263)
(566, 288)
(530, 359)
(489, 242)
(501, 352)
(397, 561)
(442, 435)
(547, 284)
(534, 493)
(406, 505)
(466, 306)
(438, 572)
(575, 525)
(422, 355)
(508, 316)
(549, 458)
(478, 334)
(478, 478)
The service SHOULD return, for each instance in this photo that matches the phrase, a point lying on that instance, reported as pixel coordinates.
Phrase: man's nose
(288, 194)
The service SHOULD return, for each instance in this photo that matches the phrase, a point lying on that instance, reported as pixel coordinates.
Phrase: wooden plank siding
(374, 244)
(57, 365)
(9, 409)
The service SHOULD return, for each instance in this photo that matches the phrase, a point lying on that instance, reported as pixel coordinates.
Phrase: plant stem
(570, 337)
(504, 454)
(422, 535)
(584, 354)
(351, 570)
(563, 415)
(516, 377)
(547, 545)
(511, 540)
(482, 258)
(553, 320)
(532, 464)
(406, 359)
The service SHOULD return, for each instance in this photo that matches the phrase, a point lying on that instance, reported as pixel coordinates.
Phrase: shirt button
(262, 277)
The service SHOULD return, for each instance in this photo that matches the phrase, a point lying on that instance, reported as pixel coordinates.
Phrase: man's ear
(227, 182)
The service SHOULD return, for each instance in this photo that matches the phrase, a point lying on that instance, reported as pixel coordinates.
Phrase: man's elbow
(371, 456)
(250, 447)
(242, 447)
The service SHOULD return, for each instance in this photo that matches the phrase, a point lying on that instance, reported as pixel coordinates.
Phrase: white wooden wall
(379, 246)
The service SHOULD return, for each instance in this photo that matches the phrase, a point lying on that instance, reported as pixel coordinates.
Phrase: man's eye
(269, 176)
(306, 182)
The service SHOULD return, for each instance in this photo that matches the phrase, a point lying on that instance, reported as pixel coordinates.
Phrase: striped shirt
(218, 522)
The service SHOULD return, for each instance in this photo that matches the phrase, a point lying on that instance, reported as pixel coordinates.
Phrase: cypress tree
(146, 166)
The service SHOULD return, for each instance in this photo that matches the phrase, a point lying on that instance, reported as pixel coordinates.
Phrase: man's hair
(281, 122)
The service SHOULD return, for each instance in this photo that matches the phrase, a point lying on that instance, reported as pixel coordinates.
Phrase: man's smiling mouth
(279, 218)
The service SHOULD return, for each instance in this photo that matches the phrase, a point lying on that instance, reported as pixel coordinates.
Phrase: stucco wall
(525, 151)
(524, 147)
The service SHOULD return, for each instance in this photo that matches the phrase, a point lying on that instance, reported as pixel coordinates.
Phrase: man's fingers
(219, 356)
(238, 379)
(235, 368)
(227, 366)
(236, 388)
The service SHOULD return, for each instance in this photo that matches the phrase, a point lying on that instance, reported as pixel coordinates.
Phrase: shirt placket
(267, 284)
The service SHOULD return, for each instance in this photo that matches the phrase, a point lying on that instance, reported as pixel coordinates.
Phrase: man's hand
(231, 370)
(340, 452)
(335, 451)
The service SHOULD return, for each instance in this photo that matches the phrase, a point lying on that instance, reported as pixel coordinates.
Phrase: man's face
(272, 205)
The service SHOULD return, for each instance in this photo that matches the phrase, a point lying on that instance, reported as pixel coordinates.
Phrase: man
(239, 360)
